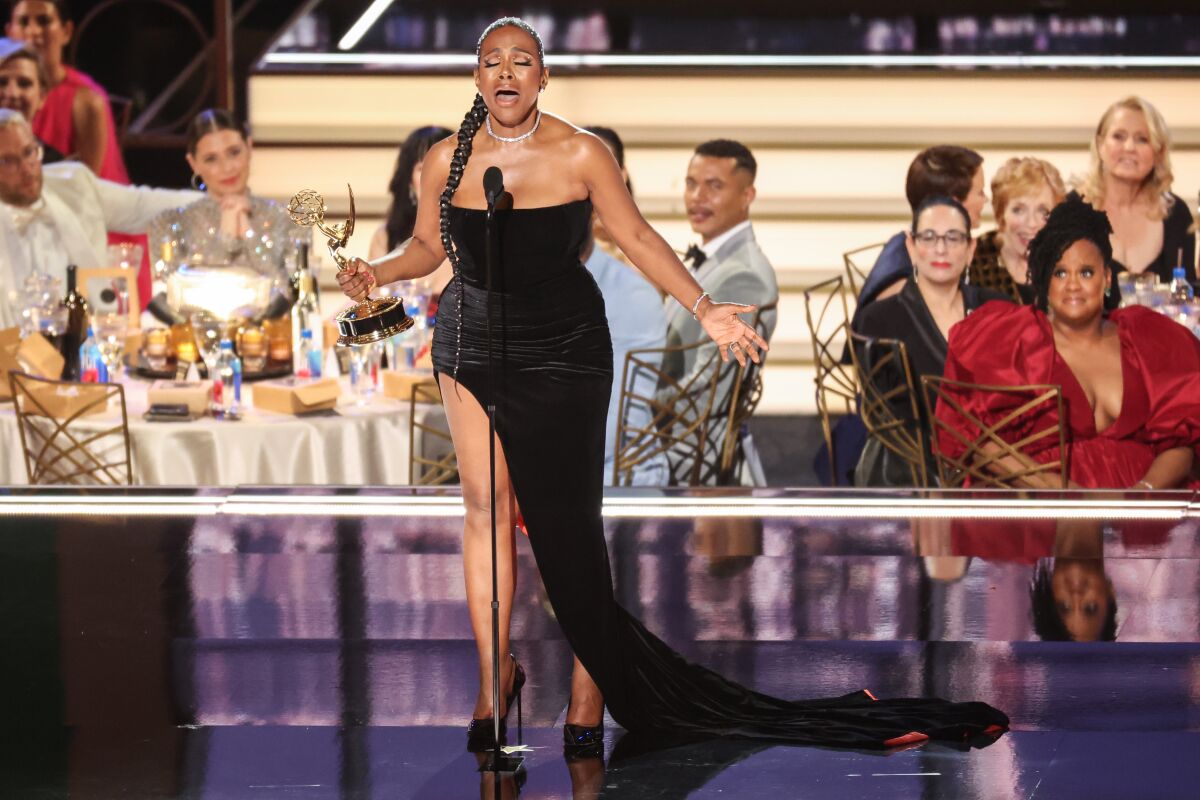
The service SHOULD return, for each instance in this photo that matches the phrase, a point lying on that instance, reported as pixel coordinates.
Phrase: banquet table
(355, 444)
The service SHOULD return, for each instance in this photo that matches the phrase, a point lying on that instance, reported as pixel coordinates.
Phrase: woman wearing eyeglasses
(922, 314)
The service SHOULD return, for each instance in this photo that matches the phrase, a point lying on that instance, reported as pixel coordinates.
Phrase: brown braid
(458, 164)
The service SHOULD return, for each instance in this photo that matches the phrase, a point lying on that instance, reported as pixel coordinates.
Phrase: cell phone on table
(168, 412)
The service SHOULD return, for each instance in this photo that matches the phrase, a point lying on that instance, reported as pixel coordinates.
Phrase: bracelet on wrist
(1145, 484)
(696, 305)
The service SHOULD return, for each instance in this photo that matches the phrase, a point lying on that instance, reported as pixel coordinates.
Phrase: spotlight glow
(363, 24)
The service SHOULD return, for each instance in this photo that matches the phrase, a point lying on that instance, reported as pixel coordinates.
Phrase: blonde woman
(1130, 181)
(1024, 191)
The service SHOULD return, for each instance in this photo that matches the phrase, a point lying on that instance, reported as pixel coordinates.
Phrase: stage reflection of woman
(553, 377)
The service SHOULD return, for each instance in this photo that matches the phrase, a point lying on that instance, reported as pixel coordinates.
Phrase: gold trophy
(370, 320)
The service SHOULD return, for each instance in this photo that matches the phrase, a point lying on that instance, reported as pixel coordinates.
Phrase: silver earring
(198, 184)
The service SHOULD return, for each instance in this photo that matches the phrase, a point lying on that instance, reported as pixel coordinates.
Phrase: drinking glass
(125, 255)
(110, 331)
(208, 331)
(364, 371)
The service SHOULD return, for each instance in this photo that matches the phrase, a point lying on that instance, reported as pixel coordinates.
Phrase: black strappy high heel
(583, 741)
(481, 732)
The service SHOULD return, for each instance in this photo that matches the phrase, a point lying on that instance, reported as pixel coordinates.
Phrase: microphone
(493, 185)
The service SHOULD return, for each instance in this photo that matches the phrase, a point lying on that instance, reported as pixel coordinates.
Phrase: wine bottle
(76, 331)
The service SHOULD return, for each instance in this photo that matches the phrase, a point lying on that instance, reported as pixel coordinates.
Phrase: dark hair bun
(1070, 221)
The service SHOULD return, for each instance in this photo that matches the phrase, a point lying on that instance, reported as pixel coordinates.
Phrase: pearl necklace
(511, 139)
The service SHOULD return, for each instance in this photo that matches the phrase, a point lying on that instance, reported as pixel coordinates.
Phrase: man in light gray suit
(728, 263)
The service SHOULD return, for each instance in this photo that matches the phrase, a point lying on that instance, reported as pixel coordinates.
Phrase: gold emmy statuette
(370, 320)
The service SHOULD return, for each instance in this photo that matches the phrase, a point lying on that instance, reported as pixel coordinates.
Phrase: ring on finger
(733, 345)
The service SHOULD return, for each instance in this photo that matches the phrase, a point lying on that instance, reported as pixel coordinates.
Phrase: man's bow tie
(695, 255)
(23, 217)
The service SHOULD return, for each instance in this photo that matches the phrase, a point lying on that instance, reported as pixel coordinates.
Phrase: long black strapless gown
(553, 377)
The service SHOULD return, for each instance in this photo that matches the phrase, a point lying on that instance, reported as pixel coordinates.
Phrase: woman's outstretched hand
(734, 337)
(356, 279)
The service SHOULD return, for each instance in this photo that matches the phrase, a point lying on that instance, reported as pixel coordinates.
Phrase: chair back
(431, 457)
(827, 316)
(739, 390)
(122, 110)
(63, 442)
(858, 264)
(1000, 447)
(664, 415)
(888, 402)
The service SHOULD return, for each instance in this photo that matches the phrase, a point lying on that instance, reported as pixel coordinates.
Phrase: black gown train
(553, 377)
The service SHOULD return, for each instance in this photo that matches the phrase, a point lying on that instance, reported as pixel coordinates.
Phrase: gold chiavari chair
(826, 313)
(743, 388)
(671, 421)
(858, 265)
(61, 445)
(997, 452)
(888, 401)
(431, 457)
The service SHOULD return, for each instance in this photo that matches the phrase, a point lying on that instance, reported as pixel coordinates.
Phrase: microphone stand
(498, 761)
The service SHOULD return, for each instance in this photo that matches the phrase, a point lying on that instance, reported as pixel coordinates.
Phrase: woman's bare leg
(469, 430)
(587, 704)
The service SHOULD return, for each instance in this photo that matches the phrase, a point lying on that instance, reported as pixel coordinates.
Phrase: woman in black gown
(553, 375)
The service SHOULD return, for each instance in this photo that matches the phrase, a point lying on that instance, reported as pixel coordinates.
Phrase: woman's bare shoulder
(441, 152)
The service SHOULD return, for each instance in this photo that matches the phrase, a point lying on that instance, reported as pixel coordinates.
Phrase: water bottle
(1181, 290)
(308, 358)
(92, 368)
(306, 311)
(227, 388)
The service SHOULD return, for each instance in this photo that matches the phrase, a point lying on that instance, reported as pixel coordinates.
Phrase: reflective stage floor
(296, 645)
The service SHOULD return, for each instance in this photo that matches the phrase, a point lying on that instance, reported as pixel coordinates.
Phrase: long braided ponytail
(458, 164)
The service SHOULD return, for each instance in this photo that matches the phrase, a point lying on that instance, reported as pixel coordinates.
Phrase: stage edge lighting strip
(615, 507)
(426, 60)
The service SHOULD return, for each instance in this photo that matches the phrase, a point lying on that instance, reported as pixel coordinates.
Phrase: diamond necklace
(537, 121)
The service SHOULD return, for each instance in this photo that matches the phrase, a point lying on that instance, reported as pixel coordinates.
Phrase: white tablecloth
(361, 445)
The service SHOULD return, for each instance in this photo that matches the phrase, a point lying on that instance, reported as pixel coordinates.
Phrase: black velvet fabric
(553, 375)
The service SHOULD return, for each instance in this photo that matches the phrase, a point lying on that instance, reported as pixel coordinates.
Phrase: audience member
(636, 320)
(1130, 181)
(229, 225)
(1024, 190)
(929, 304)
(729, 264)
(1130, 378)
(23, 86)
(946, 170)
(59, 215)
(405, 189)
(76, 118)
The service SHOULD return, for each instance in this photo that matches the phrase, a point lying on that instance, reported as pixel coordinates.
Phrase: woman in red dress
(1130, 378)
(76, 118)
